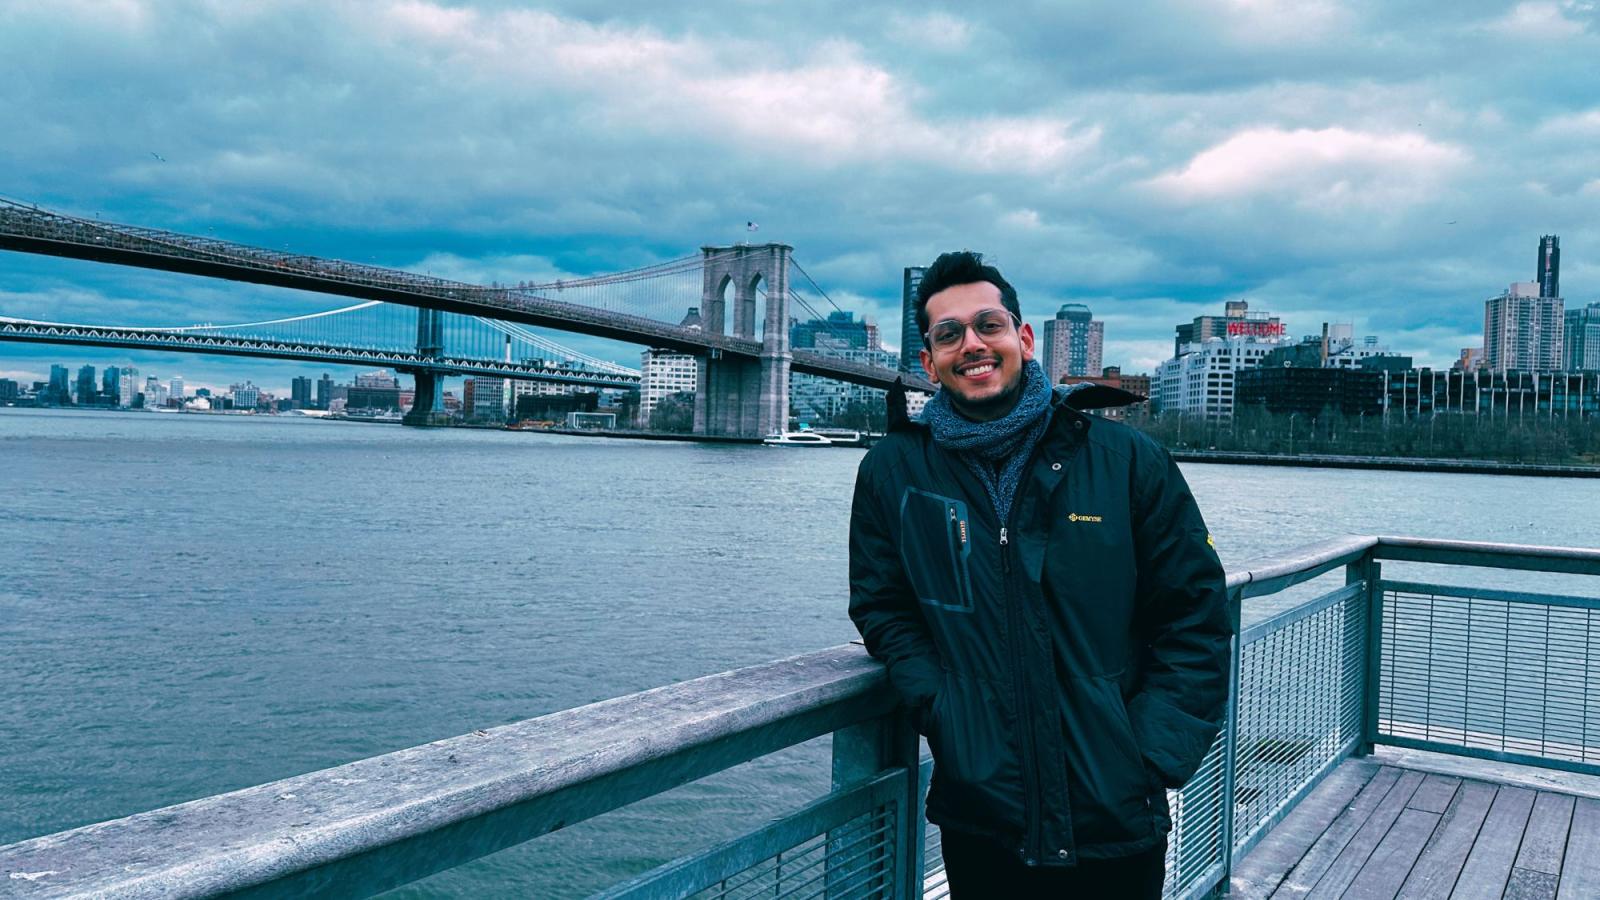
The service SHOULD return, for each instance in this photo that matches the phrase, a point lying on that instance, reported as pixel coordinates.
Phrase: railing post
(860, 752)
(1230, 741)
(1369, 572)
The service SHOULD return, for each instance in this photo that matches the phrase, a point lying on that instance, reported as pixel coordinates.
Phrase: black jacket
(1066, 666)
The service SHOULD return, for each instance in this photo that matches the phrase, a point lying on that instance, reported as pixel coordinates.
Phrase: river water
(194, 604)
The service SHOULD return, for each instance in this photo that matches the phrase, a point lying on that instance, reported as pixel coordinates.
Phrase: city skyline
(1329, 161)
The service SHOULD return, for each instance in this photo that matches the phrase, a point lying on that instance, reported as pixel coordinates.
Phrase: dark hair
(960, 267)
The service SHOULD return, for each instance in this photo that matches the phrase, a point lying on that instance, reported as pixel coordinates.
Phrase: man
(1045, 595)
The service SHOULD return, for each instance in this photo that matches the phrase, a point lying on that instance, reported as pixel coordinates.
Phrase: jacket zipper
(1031, 850)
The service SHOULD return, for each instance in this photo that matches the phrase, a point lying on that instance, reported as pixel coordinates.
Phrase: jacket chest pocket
(935, 543)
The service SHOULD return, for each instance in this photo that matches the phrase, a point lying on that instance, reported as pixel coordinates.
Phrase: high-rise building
(910, 336)
(300, 392)
(839, 331)
(86, 389)
(59, 392)
(1522, 330)
(664, 373)
(1073, 342)
(127, 385)
(324, 391)
(155, 393)
(111, 386)
(1582, 338)
(9, 390)
(175, 389)
(484, 398)
(1548, 274)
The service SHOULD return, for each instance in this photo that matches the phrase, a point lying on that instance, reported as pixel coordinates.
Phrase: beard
(984, 409)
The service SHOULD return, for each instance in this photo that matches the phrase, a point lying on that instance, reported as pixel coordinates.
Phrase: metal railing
(1504, 675)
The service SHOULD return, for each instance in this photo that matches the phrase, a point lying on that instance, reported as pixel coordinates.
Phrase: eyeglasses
(990, 326)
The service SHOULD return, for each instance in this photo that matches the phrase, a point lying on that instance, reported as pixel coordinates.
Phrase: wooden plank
(1526, 884)
(1347, 866)
(1435, 794)
(1580, 873)
(1386, 869)
(1303, 877)
(1264, 867)
(1545, 839)
(1488, 866)
(1434, 875)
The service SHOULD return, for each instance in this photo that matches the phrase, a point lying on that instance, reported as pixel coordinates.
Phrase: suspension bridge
(744, 362)
(373, 333)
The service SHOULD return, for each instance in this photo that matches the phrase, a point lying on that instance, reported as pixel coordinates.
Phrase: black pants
(978, 869)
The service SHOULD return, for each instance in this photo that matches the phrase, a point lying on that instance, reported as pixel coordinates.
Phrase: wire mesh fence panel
(1300, 706)
(1501, 674)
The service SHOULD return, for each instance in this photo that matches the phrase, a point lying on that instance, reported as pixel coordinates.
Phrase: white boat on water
(796, 439)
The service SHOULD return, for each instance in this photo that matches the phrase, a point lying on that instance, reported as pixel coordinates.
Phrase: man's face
(983, 373)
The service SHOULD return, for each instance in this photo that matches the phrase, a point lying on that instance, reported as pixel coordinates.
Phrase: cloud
(1539, 20)
(1328, 166)
(936, 32)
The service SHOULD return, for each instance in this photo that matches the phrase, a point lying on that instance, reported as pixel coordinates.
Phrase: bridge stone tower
(738, 396)
(427, 404)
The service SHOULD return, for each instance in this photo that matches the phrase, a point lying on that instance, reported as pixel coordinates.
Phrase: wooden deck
(1373, 831)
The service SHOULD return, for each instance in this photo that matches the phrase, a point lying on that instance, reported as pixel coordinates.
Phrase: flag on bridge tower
(751, 226)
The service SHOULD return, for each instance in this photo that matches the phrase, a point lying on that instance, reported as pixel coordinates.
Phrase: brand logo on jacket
(1075, 517)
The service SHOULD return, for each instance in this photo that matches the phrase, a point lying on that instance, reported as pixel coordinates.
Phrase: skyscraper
(111, 386)
(910, 336)
(1582, 338)
(128, 381)
(300, 392)
(86, 388)
(60, 392)
(1548, 274)
(175, 390)
(324, 391)
(1073, 342)
(1522, 330)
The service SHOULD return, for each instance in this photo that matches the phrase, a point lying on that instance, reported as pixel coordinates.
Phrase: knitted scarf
(995, 451)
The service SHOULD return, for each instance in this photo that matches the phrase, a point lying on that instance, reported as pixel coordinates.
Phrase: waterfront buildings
(1522, 330)
(324, 391)
(59, 392)
(663, 374)
(1199, 379)
(817, 400)
(380, 379)
(910, 336)
(244, 396)
(839, 330)
(483, 399)
(1581, 337)
(1073, 342)
(1236, 321)
(86, 389)
(1511, 395)
(9, 390)
(300, 392)
(127, 385)
(176, 389)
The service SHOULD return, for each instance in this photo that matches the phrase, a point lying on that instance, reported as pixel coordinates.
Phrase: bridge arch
(741, 396)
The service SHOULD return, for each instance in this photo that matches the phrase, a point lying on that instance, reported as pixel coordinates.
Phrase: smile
(977, 371)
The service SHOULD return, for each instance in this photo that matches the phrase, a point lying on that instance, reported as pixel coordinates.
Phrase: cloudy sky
(1386, 163)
